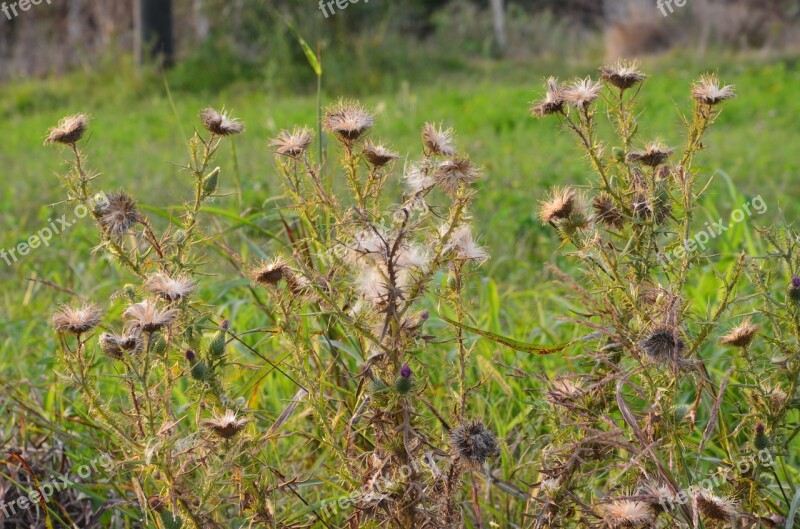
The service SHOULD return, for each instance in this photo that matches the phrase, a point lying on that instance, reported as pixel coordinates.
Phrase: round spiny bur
(561, 203)
(404, 383)
(170, 520)
(118, 214)
(761, 440)
(662, 344)
(622, 74)
(220, 123)
(741, 335)
(216, 349)
(348, 121)
(292, 144)
(378, 155)
(606, 212)
(472, 443)
(77, 320)
(210, 182)
(628, 514)
(653, 155)
(227, 425)
(794, 289)
(582, 92)
(270, 273)
(69, 130)
(715, 507)
(553, 101)
(199, 371)
(707, 90)
(438, 140)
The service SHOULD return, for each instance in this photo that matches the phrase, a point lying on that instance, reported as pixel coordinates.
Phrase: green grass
(136, 138)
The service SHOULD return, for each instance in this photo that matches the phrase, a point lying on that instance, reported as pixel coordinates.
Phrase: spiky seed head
(452, 174)
(438, 140)
(77, 320)
(715, 507)
(118, 214)
(292, 144)
(582, 93)
(622, 74)
(348, 121)
(170, 288)
(641, 206)
(147, 316)
(663, 344)
(270, 273)
(628, 514)
(708, 91)
(227, 425)
(553, 101)
(463, 245)
(560, 204)
(606, 212)
(220, 123)
(116, 346)
(741, 335)
(472, 443)
(653, 155)
(378, 155)
(69, 130)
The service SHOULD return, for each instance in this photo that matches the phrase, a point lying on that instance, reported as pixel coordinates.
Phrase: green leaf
(508, 342)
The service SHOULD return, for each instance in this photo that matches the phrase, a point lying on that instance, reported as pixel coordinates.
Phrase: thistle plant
(674, 390)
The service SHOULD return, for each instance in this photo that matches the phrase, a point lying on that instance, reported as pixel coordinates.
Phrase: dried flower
(559, 205)
(606, 212)
(348, 121)
(117, 346)
(741, 335)
(170, 289)
(582, 92)
(118, 214)
(220, 123)
(553, 101)
(146, 316)
(451, 174)
(707, 90)
(623, 74)
(293, 144)
(627, 513)
(653, 155)
(69, 130)
(226, 425)
(420, 177)
(438, 141)
(378, 155)
(473, 443)
(663, 344)
(270, 273)
(77, 320)
(464, 246)
(715, 507)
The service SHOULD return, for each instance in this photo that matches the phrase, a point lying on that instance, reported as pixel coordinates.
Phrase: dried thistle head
(472, 443)
(623, 74)
(69, 130)
(463, 245)
(707, 90)
(452, 174)
(606, 212)
(77, 320)
(438, 141)
(146, 316)
(292, 144)
(117, 346)
(628, 514)
(663, 344)
(582, 93)
(348, 121)
(227, 425)
(270, 273)
(118, 214)
(378, 155)
(653, 155)
(220, 123)
(170, 288)
(553, 101)
(714, 507)
(560, 204)
(420, 177)
(741, 335)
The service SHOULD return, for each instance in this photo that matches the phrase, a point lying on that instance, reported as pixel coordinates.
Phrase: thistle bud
(170, 520)
(210, 182)
(794, 289)
(619, 154)
(404, 383)
(191, 356)
(216, 349)
(761, 441)
(199, 371)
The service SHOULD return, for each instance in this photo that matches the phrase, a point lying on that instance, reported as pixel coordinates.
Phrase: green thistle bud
(170, 520)
(200, 371)
(216, 349)
(404, 383)
(619, 154)
(761, 441)
(210, 182)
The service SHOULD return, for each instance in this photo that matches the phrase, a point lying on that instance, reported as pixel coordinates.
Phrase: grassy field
(138, 134)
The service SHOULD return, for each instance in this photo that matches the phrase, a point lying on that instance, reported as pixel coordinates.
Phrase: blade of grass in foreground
(508, 342)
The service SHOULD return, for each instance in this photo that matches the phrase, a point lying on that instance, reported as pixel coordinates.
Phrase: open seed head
(77, 320)
(69, 130)
(220, 123)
